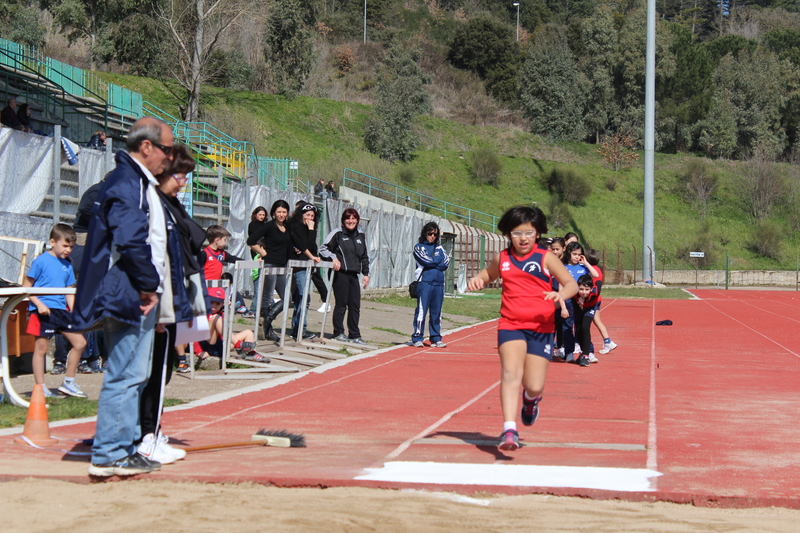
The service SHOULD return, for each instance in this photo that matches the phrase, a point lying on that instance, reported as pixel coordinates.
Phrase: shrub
(559, 215)
(611, 183)
(761, 187)
(570, 186)
(617, 150)
(700, 185)
(485, 166)
(704, 242)
(345, 58)
(766, 240)
(406, 175)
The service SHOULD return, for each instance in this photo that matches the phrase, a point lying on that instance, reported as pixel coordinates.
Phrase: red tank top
(525, 282)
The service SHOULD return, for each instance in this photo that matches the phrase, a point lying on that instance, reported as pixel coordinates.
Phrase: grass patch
(646, 293)
(60, 409)
(391, 330)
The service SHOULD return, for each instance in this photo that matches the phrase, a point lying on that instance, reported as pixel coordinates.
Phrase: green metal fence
(416, 200)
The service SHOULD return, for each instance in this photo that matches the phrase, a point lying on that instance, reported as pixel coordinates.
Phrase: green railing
(75, 81)
(416, 200)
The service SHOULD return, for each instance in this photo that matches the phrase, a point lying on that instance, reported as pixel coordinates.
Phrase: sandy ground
(32, 506)
(39, 505)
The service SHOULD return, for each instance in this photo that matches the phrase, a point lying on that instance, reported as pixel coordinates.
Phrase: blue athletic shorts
(540, 344)
(48, 325)
(214, 350)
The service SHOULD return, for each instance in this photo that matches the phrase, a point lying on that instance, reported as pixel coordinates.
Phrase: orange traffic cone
(37, 429)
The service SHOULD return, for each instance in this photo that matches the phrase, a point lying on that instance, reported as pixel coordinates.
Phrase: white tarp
(26, 170)
(91, 168)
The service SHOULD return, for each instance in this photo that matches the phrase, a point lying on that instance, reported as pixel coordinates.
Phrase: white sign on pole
(697, 254)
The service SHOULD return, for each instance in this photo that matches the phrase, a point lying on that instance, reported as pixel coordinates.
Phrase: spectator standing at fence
(274, 245)
(8, 116)
(303, 232)
(51, 313)
(316, 276)
(525, 331)
(258, 219)
(432, 262)
(347, 247)
(184, 241)
(122, 273)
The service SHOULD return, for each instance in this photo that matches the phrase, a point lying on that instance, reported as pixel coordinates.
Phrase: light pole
(515, 4)
(365, 21)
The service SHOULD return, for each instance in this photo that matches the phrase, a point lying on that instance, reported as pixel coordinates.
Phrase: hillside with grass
(326, 136)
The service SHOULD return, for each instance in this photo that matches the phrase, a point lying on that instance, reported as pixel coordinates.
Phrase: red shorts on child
(48, 325)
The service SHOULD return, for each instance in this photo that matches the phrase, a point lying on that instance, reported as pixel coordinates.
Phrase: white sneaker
(48, 393)
(164, 444)
(324, 307)
(71, 389)
(155, 450)
(607, 347)
(592, 358)
(417, 344)
(439, 344)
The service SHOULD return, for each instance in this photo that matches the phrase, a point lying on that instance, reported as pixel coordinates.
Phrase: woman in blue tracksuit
(432, 261)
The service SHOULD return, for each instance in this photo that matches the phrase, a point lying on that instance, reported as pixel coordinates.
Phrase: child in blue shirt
(49, 314)
(577, 266)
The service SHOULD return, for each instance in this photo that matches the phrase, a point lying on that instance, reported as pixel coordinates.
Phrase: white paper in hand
(196, 330)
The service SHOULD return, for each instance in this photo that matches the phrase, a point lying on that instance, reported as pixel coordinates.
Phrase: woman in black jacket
(347, 247)
(272, 242)
(303, 232)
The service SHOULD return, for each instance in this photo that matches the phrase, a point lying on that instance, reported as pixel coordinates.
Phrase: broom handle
(225, 445)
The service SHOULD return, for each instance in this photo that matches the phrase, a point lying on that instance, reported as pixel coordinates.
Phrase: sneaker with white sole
(164, 443)
(607, 347)
(438, 344)
(418, 344)
(71, 389)
(342, 338)
(58, 368)
(593, 359)
(48, 393)
(324, 307)
(153, 449)
(530, 410)
(509, 440)
(127, 466)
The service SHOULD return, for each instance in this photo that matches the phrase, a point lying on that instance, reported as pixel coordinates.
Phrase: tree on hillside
(289, 47)
(195, 28)
(598, 38)
(487, 47)
(401, 97)
(745, 117)
(552, 90)
(20, 22)
(136, 40)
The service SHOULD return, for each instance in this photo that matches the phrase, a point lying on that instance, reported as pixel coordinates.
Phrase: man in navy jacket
(122, 270)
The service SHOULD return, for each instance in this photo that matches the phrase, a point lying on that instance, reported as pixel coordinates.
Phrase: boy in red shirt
(213, 257)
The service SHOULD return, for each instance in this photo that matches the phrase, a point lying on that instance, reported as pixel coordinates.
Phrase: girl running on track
(527, 314)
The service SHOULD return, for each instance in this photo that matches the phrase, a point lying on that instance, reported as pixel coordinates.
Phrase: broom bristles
(298, 441)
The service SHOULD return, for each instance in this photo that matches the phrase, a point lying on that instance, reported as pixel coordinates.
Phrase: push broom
(264, 437)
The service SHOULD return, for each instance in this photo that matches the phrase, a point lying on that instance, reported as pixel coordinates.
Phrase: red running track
(710, 403)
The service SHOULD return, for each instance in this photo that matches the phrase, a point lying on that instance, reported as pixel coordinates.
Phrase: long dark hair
(430, 226)
(297, 216)
(256, 211)
(279, 203)
(571, 247)
(181, 163)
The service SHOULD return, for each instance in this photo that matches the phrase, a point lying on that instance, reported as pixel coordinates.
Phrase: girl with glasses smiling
(527, 315)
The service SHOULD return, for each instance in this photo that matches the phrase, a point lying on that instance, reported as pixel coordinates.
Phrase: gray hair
(144, 129)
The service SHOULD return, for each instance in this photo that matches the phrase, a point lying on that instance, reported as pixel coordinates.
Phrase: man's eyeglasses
(528, 234)
(165, 149)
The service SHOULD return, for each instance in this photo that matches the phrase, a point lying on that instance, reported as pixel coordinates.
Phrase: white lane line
(652, 428)
(752, 329)
(616, 479)
(404, 446)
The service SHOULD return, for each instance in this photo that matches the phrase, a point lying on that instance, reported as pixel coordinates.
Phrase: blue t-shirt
(48, 270)
(576, 271)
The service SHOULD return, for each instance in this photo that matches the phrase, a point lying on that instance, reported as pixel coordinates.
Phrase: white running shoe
(592, 358)
(163, 442)
(607, 347)
(71, 389)
(151, 448)
(324, 307)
